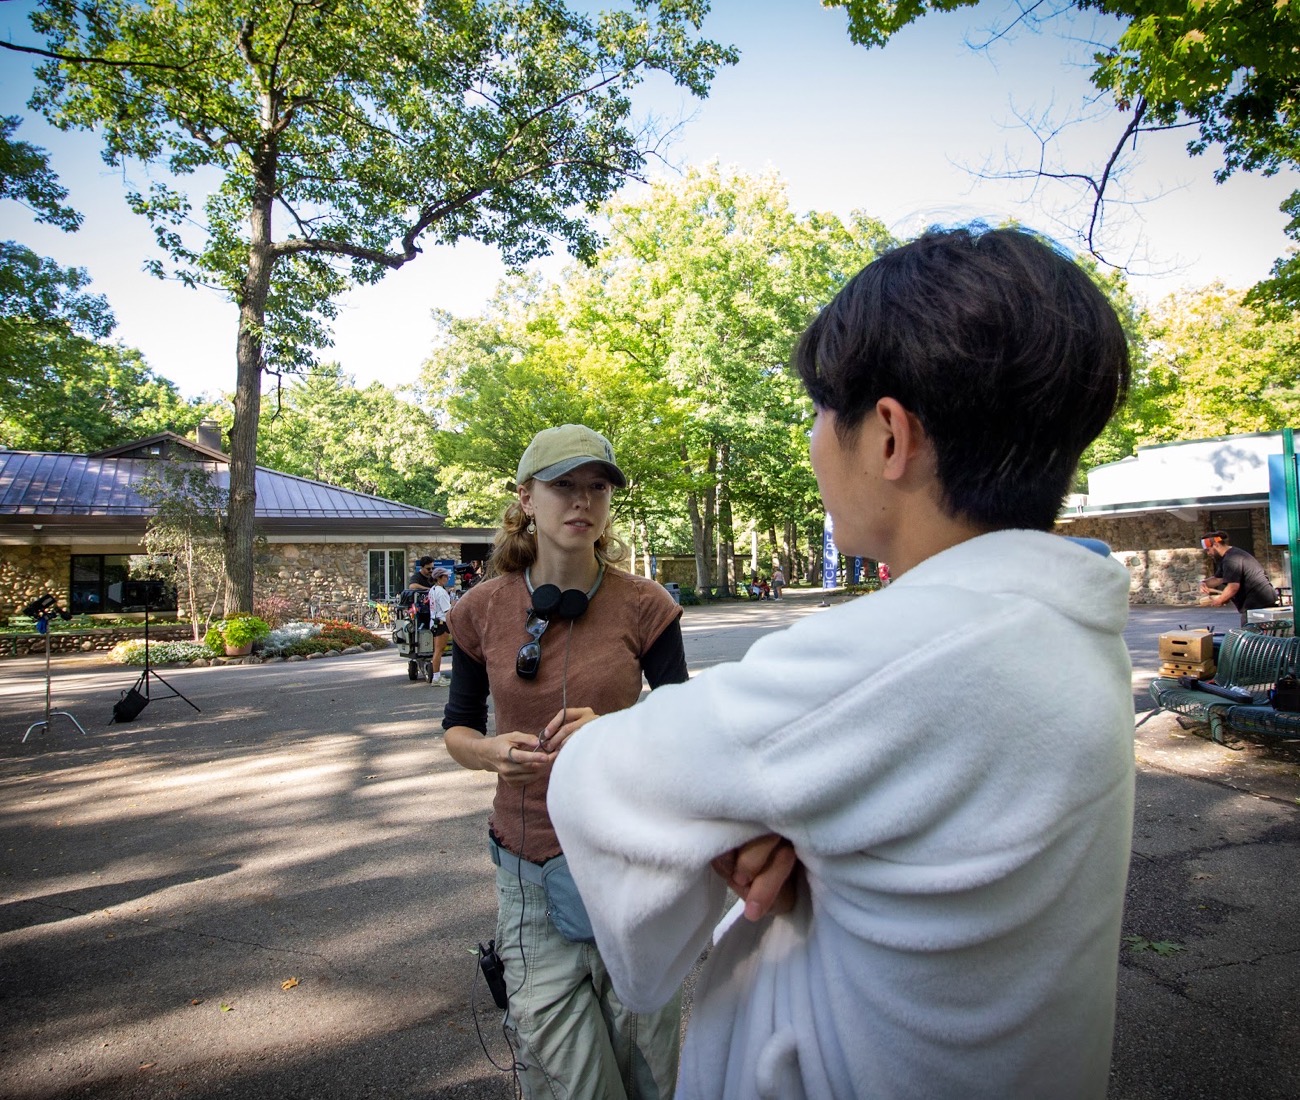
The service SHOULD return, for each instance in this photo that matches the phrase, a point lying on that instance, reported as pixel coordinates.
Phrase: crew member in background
(1238, 577)
(439, 606)
(422, 578)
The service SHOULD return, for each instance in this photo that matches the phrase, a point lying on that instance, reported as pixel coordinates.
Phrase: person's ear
(525, 501)
(902, 439)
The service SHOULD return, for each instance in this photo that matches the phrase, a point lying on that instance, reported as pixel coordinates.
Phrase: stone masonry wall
(30, 571)
(1163, 554)
(330, 577)
(87, 641)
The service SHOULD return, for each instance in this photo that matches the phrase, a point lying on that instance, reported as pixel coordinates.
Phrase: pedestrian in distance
(557, 635)
(926, 813)
(778, 582)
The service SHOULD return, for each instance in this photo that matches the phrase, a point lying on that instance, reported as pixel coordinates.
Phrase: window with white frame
(387, 574)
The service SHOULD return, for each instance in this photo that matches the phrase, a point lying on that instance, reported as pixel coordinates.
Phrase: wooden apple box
(1187, 646)
(1202, 670)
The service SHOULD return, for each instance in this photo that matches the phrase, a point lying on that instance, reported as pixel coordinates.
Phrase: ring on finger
(510, 754)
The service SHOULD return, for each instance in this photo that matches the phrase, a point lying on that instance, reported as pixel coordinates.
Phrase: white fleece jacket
(952, 758)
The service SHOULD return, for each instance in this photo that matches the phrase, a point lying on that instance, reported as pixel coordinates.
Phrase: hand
(762, 872)
(515, 758)
(1205, 601)
(559, 728)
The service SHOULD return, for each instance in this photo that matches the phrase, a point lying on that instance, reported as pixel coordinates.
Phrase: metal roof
(43, 484)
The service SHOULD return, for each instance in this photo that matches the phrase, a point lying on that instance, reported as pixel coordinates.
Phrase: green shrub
(160, 653)
(236, 631)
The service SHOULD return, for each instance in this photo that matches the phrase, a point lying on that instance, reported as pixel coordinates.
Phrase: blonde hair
(514, 549)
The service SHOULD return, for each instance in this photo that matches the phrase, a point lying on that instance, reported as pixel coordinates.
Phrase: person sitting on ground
(1238, 577)
(958, 797)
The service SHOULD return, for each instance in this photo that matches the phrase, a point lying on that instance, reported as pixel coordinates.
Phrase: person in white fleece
(950, 759)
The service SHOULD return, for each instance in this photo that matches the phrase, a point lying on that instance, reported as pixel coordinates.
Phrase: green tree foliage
(26, 177)
(183, 537)
(675, 345)
(1218, 367)
(1226, 68)
(93, 396)
(345, 134)
(528, 363)
(323, 427)
(63, 388)
(710, 280)
(49, 326)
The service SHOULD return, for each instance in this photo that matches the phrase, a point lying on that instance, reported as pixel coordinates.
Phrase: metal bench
(1250, 660)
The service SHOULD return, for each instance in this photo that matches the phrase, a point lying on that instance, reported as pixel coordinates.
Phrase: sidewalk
(162, 881)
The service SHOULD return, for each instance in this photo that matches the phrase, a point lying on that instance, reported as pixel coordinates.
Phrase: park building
(70, 525)
(1153, 507)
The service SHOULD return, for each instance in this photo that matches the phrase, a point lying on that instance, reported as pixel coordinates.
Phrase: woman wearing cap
(439, 606)
(559, 637)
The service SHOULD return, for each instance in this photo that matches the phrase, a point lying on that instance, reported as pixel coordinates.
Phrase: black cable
(519, 871)
(473, 1011)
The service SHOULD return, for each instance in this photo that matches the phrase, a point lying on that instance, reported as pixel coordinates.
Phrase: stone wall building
(1153, 508)
(70, 525)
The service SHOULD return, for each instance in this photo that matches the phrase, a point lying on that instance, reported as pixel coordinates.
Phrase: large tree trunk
(242, 508)
(814, 556)
(701, 513)
(726, 535)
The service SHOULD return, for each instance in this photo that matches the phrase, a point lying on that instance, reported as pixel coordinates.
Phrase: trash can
(675, 591)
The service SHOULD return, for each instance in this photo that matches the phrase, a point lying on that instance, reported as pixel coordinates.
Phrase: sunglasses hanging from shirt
(549, 604)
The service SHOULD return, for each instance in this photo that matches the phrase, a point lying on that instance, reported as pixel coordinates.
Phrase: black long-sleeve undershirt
(664, 663)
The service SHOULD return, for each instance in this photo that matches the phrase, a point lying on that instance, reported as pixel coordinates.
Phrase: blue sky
(897, 132)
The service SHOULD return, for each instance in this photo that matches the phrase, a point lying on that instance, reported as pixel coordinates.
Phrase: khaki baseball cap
(555, 451)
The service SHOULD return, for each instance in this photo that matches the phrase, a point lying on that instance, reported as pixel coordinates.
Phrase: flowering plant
(236, 631)
(163, 653)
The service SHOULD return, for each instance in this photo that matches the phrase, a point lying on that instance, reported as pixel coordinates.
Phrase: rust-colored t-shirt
(625, 617)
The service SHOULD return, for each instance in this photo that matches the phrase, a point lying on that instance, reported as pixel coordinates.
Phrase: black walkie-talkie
(495, 973)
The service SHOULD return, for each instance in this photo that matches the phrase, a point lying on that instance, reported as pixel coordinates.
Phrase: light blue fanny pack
(563, 902)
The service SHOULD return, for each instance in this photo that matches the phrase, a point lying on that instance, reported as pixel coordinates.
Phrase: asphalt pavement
(279, 895)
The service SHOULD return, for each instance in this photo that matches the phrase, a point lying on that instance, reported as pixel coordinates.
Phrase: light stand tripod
(134, 699)
(41, 609)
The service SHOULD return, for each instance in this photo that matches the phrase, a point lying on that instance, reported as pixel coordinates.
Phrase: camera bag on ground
(1285, 695)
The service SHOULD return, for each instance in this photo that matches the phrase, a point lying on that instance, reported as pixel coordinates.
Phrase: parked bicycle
(378, 615)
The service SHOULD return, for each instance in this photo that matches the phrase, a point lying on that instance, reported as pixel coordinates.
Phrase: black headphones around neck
(550, 603)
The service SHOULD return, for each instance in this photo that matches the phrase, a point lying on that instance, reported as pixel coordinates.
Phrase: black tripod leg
(169, 688)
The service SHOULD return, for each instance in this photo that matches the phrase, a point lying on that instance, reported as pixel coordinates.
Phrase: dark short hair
(1002, 347)
(426, 560)
(1222, 536)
